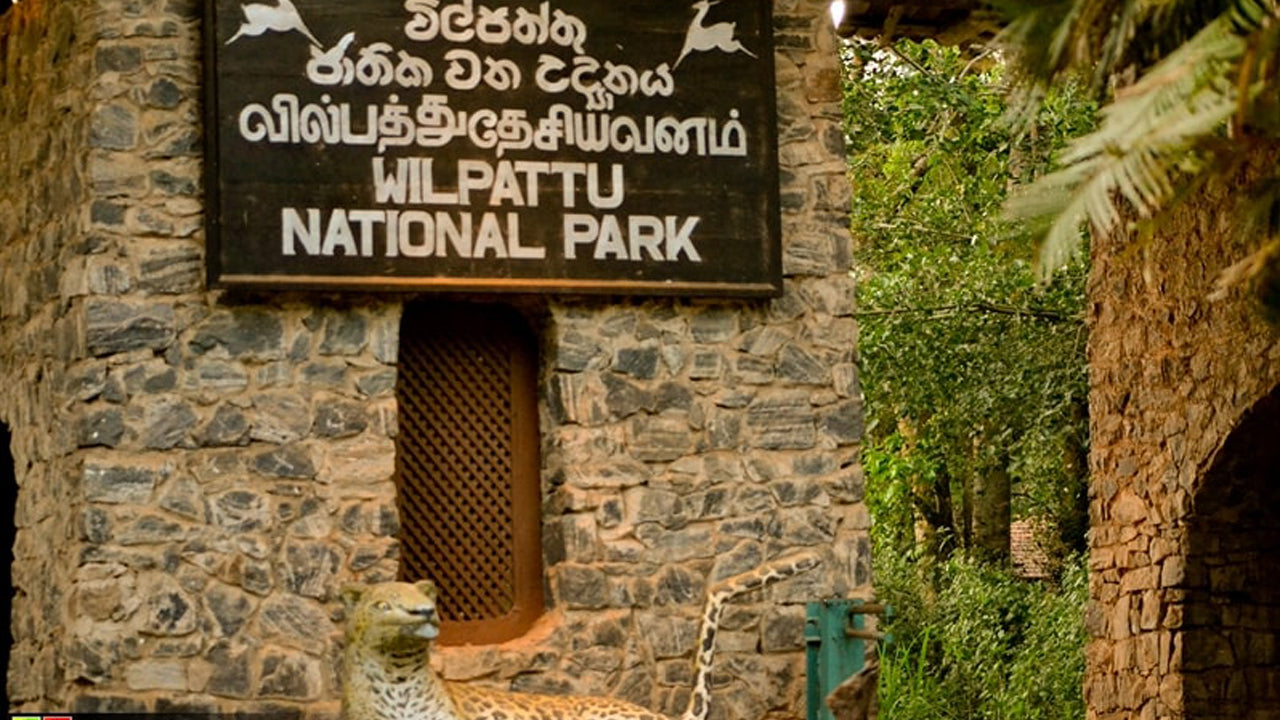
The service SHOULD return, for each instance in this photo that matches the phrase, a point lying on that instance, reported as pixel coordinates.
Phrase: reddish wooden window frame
(466, 456)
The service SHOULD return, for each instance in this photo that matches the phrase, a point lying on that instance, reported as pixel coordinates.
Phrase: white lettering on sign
(407, 233)
(433, 124)
(413, 181)
(460, 22)
(450, 183)
(440, 234)
(635, 238)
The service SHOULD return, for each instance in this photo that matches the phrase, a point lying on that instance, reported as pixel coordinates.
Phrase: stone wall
(1178, 537)
(201, 470)
(45, 50)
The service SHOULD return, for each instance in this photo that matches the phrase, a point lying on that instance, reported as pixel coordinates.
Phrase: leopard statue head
(391, 615)
(386, 673)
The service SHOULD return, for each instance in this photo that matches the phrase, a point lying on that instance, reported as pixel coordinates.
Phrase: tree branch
(921, 228)
(980, 306)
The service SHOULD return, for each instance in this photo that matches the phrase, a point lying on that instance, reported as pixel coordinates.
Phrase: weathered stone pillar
(45, 55)
(1172, 373)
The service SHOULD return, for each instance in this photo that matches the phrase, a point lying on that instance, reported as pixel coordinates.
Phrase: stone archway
(1231, 622)
(8, 533)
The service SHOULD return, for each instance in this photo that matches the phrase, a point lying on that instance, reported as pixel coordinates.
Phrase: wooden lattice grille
(466, 462)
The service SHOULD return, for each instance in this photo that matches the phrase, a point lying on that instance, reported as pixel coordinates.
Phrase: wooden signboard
(561, 146)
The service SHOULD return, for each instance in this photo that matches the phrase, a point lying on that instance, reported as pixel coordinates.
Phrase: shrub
(971, 641)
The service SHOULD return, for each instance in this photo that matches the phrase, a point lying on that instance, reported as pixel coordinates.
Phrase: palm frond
(1039, 33)
(1247, 269)
(1249, 16)
(1167, 24)
(1036, 37)
(1143, 149)
(1103, 38)
(1259, 218)
(1185, 69)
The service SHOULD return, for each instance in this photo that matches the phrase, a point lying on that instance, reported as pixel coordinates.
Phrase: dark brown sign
(562, 145)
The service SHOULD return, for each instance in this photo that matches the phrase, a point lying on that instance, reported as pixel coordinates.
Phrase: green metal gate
(836, 637)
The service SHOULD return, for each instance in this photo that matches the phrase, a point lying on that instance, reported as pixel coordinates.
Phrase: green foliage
(894, 471)
(971, 642)
(967, 364)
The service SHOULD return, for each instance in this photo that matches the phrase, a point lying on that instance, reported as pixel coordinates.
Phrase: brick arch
(1231, 614)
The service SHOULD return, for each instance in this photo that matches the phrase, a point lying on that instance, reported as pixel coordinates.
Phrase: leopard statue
(387, 674)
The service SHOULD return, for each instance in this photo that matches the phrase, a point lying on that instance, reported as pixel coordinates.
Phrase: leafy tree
(974, 376)
(975, 384)
(1199, 95)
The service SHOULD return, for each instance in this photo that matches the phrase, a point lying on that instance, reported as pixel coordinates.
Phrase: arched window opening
(467, 466)
(1231, 622)
(8, 535)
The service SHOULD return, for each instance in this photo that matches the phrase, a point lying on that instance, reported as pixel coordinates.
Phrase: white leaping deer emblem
(283, 17)
(719, 36)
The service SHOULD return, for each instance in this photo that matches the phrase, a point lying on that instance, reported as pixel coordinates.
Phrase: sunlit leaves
(966, 363)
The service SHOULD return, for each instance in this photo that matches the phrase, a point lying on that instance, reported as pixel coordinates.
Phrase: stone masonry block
(115, 326)
(782, 422)
(245, 333)
(109, 479)
(114, 127)
(659, 438)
